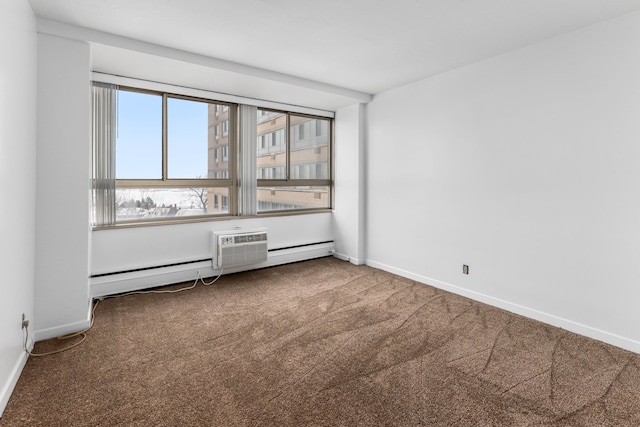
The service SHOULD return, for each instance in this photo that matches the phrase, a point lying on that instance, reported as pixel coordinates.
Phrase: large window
(293, 161)
(164, 157)
(168, 159)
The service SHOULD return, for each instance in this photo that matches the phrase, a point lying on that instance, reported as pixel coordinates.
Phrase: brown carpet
(323, 343)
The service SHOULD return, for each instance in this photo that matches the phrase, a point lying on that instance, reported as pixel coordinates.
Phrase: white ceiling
(364, 45)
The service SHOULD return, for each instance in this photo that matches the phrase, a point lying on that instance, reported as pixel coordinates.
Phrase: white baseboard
(352, 260)
(7, 389)
(578, 328)
(137, 280)
(56, 331)
(341, 257)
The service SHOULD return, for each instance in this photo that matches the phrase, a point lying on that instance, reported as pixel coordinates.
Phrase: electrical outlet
(465, 269)
(25, 322)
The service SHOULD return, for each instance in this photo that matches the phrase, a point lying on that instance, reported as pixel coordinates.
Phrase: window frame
(235, 190)
(287, 181)
(167, 183)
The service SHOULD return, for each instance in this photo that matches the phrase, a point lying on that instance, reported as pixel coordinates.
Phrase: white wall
(526, 168)
(63, 173)
(349, 183)
(68, 252)
(143, 247)
(119, 250)
(18, 183)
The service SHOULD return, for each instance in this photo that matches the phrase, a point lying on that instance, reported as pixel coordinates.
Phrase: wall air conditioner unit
(239, 247)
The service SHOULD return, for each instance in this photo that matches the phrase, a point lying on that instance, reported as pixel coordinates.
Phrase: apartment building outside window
(294, 169)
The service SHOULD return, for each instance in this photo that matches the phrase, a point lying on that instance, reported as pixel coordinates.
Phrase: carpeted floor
(323, 343)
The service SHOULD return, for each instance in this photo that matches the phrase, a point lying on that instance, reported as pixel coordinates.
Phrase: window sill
(198, 219)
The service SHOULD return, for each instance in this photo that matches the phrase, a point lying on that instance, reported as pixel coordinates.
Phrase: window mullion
(248, 151)
(165, 142)
(173, 183)
(287, 124)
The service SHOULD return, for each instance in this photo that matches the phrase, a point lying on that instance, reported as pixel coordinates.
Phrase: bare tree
(200, 197)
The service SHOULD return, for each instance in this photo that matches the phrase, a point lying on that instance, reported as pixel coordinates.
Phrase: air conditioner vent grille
(239, 248)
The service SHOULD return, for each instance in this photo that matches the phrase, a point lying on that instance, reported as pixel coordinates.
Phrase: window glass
(309, 150)
(292, 197)
(153, 203)
(305, 156)
(139, 136)
(272, 145)
(187, 138)
(195, 148)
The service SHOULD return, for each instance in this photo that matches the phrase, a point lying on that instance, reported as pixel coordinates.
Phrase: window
(139, 136)
(166, 165)
(161, 157)
(296, 167)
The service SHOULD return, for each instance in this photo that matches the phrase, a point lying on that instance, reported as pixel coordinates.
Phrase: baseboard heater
(155, 267)
(304, 245)
(273, 251)
(175, 272)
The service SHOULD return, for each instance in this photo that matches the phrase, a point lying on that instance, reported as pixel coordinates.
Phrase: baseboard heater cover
(155, 267)
(304, 245)
(197, 261)
(116, 282)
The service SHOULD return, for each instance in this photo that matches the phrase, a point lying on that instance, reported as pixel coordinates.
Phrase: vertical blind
(104, 142)
(248, 150)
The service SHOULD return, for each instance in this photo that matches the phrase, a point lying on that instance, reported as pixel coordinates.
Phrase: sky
(139, 137)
